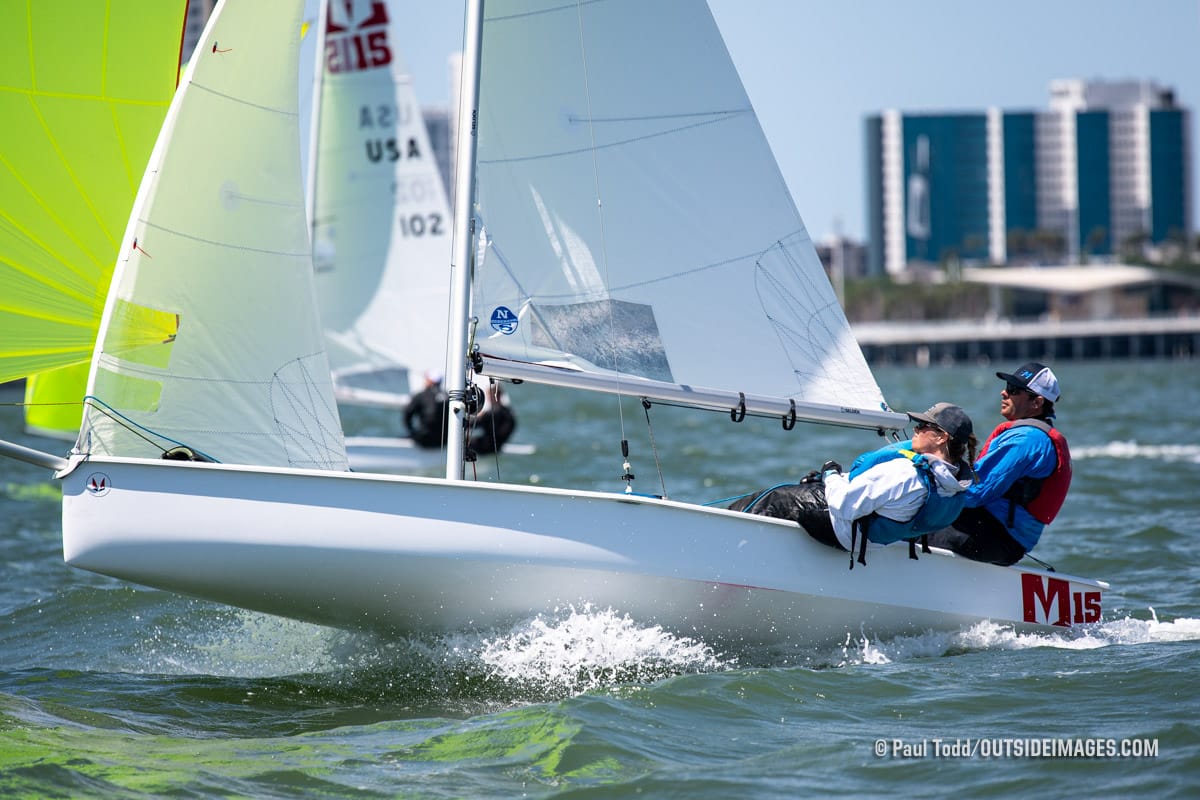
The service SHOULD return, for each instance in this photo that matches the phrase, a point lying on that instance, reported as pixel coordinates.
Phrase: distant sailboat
(380, 216)
(693, 282)
(381, 227)
(82, 96)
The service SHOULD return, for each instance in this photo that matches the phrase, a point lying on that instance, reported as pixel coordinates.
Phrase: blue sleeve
(858, 462)
(1014, 454)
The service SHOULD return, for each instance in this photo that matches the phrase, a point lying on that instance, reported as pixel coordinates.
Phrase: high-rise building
(1106, 168)
(437, 123)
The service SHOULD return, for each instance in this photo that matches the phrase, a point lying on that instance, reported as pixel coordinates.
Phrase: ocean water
(112, 690)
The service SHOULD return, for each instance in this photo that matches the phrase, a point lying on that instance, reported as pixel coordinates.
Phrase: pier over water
(923, 343)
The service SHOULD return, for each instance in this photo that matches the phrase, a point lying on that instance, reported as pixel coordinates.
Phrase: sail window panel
(610, 334)
(126, 392)
(141, 335)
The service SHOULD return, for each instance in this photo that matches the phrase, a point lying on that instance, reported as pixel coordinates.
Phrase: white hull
(397, 455)
(415, 555)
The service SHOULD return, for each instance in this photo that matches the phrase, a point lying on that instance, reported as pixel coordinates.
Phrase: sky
(814, 70)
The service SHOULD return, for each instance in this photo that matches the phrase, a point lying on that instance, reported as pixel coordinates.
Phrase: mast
(461, 266)
(314, 124)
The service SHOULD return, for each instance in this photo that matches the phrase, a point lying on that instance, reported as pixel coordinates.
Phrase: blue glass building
(1106, 168)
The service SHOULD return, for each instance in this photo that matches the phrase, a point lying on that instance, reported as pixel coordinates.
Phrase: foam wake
(992, 636)
(1124, 450)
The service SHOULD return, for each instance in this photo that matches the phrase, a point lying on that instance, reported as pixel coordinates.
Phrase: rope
(654, 448)
(136, 429)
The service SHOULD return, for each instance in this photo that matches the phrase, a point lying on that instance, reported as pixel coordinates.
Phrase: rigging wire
(137, 429)
(654, 448)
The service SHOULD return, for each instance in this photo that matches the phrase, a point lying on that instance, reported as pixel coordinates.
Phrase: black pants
(804, 503)
(979, 536)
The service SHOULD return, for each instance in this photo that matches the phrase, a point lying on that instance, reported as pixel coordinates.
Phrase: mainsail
(640, 228)
(380, 217)
(82, 95)
(210, 336)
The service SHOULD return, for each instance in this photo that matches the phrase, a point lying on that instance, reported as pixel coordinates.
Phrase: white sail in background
(210, 336)
(381, 219)
(638, 221)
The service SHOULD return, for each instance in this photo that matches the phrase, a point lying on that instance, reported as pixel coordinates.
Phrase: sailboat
(211, 462)
(380, 215)
(82, 97)
(381, 227)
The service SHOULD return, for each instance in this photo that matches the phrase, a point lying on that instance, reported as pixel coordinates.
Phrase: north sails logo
(356, 36)
(504, 321)
(97, 484)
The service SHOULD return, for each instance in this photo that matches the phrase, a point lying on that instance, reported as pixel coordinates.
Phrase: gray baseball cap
(949, 417)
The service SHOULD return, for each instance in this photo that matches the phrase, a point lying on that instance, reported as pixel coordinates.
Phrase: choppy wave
(570, 653)
(1131, 449)
(993, 636)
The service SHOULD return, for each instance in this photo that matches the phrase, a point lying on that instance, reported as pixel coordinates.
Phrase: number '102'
(421, 225)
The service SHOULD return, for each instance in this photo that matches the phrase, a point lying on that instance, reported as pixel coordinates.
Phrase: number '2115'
(421, 225)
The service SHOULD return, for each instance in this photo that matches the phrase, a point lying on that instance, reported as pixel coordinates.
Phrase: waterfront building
(1103, 172)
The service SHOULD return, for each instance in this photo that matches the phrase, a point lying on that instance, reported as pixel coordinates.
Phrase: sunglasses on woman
(927, 426)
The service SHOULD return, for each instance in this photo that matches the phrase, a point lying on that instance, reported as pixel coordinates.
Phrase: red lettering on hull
(1050, 601)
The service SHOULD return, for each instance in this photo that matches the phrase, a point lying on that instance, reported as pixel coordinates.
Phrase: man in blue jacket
(1023, 473)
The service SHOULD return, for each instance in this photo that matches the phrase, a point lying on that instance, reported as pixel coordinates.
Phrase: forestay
(210, 335)
(381, 220)
(638, 226)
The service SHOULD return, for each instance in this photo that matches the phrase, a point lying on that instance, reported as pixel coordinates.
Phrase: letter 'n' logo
(1040, 594)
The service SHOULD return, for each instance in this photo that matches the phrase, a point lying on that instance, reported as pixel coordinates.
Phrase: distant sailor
(427, 414)
(1024, 473)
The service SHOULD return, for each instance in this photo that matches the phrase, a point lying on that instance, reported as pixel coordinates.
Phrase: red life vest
(1041, 497)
